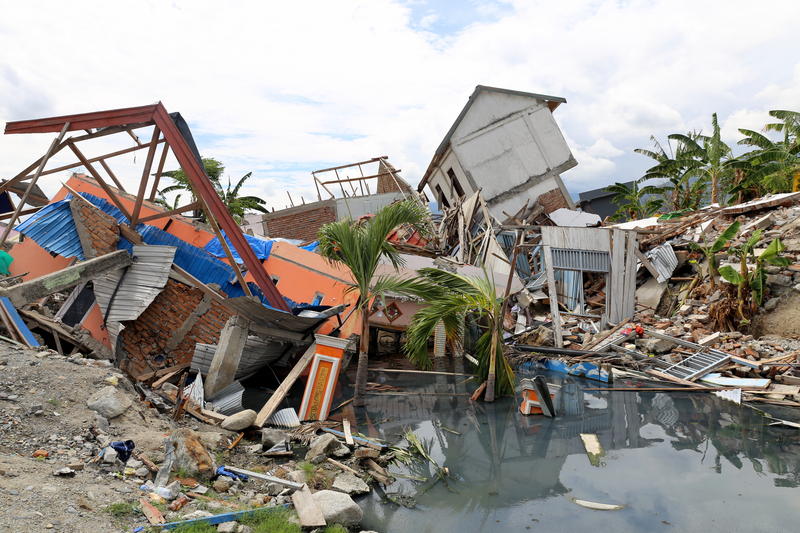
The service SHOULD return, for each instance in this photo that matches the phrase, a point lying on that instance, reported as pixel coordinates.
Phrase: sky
(283, 88)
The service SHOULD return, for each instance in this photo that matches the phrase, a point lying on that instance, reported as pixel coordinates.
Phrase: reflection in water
(665, 455)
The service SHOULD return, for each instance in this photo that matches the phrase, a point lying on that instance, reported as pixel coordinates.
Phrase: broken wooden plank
(160, 372)
(152, 514)
(359, 440)
(667, 377)
(308, 512)
(283, 389)
(348, 437)
(344, 467)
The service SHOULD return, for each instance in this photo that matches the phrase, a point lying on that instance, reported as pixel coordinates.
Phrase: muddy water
(676, 461)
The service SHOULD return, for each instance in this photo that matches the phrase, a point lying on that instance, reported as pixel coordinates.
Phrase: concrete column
(227, 356)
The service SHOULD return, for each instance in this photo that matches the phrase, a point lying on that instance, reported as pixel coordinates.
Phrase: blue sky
(282, 89)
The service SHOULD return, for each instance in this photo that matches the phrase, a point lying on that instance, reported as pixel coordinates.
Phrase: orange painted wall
(302, 274)
(36, 261)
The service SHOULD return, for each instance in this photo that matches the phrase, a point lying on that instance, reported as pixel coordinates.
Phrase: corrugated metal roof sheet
(130, 291)
(664, 259)
(257, 353)
(53, 228)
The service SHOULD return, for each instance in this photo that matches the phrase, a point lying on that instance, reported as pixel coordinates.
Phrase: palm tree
(361, 245)
(635, 202)
(774, 165)
(213, 170)
(448, 298)
(677, 184)
(708, 158)
(239, 205)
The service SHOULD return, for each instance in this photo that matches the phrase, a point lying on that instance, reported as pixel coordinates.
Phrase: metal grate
(584, 260)
(698, 364)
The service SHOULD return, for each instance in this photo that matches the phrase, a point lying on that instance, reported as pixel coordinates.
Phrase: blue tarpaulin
(261, 247)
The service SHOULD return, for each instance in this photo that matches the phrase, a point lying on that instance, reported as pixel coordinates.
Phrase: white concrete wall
(364, 205)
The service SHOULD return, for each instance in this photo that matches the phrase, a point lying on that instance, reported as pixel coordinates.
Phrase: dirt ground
(783, 321)
(43, 407)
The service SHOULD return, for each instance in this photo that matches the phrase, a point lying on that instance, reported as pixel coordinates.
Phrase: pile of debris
(668, 316)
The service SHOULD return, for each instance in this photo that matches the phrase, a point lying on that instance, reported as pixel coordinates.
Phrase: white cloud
(283, 89)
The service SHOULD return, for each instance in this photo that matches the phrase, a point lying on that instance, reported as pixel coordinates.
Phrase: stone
(797, 287)
(109, 456)
(654, 345)
(273, 489)
(239, 421)
(771, 304)
(64, 472)
(779, 279)
(109, 402)
(326, 445)
(271, 437)
(362, 453)
(349, 484)
(254, 448)
(298, 476)
(228, 527)
(190, 454)
(222, 484)
(338, 508)
(197, 514)
(142, 472)
(40, 454)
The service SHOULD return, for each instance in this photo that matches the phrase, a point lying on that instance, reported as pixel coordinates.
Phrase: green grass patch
(335, 528)
(272, 521)
(121, 509)
(196, 528)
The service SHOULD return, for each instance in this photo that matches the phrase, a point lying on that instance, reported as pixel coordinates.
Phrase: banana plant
(710, 250)
(750, 285)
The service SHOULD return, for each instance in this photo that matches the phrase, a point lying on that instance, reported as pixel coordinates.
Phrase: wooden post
(35, 177)
(286, 384)
(552, 293)
(111, 174)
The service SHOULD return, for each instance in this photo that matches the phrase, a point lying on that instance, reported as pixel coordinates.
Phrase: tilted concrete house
(507, 144)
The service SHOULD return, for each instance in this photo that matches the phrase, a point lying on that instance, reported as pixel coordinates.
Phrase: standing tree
(635, 202)
(449, 297)
(774, 166)
(708, 159)
(239, 205)
(680, 188)
(361, 245)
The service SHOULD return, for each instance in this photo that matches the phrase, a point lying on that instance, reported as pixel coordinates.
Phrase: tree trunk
(714, 189)
(363, 361)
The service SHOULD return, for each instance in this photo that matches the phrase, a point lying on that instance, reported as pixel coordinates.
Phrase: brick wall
(302, 222)
(146, 337)
(552, 200)
(98, 232)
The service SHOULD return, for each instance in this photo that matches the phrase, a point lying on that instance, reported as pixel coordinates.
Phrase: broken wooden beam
(283, 389)
(32, 290)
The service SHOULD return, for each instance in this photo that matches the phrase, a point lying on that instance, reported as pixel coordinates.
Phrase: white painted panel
(549, 137)
(502, 158)
(489, 107)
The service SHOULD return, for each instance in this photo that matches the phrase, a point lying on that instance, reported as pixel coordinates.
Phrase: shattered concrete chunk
(349, 484)
(109, 402)
(338, 508)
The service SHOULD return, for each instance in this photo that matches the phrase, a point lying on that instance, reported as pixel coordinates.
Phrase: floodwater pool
(675, 461)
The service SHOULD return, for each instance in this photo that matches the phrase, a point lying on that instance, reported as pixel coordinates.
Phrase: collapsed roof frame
(173, 132)
(362, 179)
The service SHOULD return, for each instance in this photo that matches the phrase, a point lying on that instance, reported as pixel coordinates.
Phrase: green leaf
(729, 233)
(753, 240)
(772, 251)
(731, 275)
(757, 284)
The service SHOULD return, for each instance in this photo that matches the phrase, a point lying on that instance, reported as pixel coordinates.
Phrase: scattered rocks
(349, 484)
(228, 527)
(271, 437)
(190, 454)
(338, 508)
(326, 445)
(222, 484)
(64, 472)
(109, 402)
(239, 421)
(654, 345)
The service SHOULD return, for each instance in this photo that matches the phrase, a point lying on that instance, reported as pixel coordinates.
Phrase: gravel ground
(43, 407)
